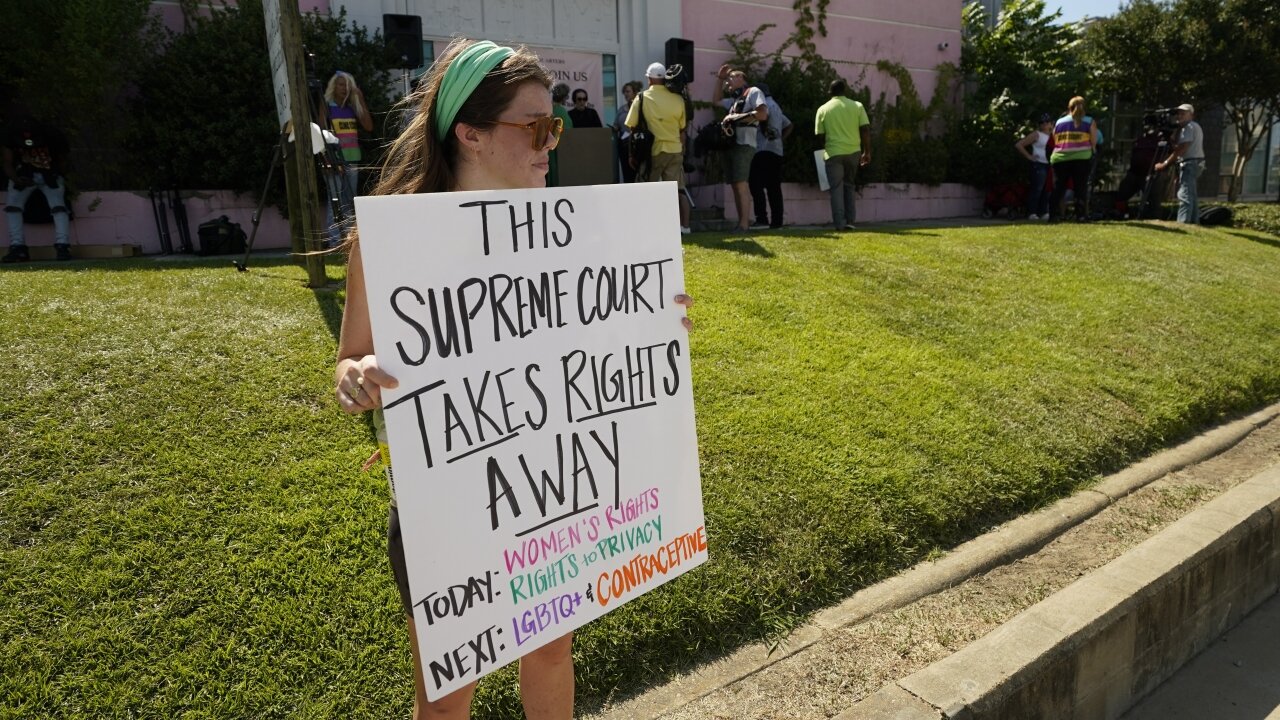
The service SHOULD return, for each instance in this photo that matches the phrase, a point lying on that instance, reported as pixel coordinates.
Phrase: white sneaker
(1033, 216)
(685, 230)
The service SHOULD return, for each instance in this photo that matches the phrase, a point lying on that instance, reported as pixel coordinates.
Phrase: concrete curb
(1093, 649)
(1006, 543)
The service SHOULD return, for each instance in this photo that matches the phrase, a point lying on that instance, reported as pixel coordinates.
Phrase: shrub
(204, 115)
(1264, 217)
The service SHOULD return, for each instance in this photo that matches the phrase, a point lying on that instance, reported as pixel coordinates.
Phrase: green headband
(461, 79)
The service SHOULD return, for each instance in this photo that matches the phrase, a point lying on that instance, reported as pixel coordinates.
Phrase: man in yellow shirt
(845, 131)
(664, 115)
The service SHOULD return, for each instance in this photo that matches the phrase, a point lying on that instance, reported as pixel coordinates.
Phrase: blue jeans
(1038, 199)
(842, 170)
(55, 196)
(342, 186)
(1188, 199)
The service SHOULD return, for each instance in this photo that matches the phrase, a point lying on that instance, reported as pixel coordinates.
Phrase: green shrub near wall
(204, 112)
(1264, 217)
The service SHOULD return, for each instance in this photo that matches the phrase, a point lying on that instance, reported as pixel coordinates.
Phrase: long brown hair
(418, 162)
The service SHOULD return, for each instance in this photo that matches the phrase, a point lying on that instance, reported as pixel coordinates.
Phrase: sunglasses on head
(546, 130)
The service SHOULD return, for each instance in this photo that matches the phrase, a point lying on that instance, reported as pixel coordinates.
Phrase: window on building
(609, 77)
(1273, 161)
(428, 56)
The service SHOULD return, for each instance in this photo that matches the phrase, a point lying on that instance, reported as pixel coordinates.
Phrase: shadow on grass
(1259, 238)
(732, 243)
(1146, 225)
(889, 230)
(331, 307)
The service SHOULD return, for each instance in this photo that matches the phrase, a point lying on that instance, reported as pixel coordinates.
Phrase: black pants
(1078, 172)
(624, 159)
(766, 180)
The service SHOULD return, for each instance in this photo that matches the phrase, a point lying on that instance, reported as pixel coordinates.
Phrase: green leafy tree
(1241, 70)
(204, 113)
(1208, 52)
(1022, 65)
(68, 62)
(1140, 36)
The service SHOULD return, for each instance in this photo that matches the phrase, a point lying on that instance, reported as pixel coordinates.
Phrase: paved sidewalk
(1237, 678)
(903, 625)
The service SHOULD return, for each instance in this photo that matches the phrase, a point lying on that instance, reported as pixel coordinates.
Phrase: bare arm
(1023, 144)
(357, 379)
(864, 133)
(718, 93)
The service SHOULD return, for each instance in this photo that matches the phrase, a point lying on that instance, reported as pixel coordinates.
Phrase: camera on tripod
(1163, 120)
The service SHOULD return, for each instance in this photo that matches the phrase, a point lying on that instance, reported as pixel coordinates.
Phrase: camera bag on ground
(640, 144)
(220, 236)
(1217, 215)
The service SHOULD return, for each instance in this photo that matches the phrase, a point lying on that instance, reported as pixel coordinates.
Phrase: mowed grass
(185, 531)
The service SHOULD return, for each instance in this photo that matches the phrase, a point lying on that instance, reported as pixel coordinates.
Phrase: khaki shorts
(667, 166)
(738, 165)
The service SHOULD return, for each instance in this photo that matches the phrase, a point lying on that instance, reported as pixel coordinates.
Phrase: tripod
(1146, 210)
(277, 157)
(330, 166)
(326, 163)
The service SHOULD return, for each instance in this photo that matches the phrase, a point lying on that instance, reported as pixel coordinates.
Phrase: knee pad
(59, 209)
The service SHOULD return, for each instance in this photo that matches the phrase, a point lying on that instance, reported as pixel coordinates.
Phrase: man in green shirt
(845, 132)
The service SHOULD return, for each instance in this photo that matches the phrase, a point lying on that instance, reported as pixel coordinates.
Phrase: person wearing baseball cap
(663, 115)
(1033, 147)
(1189, 156)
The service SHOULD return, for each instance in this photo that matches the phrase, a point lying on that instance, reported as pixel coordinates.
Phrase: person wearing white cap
(1189, 155)
(662, 113)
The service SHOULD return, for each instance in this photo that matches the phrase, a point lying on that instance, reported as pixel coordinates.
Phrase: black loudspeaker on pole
(680, 51)
(404, 36)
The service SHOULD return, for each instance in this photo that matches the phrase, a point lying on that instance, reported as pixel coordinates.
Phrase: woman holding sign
(484, 122)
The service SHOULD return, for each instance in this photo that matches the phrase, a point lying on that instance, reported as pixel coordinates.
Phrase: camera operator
(766, 167)
(1189, 155)
(1146, 148)
(747, 109)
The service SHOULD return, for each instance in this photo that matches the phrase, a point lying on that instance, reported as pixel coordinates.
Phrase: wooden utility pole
(293, 107)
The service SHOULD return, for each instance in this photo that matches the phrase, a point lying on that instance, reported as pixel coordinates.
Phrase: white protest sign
(542, 435)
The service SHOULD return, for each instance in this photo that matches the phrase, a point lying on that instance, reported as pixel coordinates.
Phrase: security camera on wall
(944, 45)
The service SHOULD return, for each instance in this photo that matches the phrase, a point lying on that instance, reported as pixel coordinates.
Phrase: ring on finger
(354, 391)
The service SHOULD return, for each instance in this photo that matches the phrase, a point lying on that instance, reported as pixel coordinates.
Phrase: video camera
(675, 80)
(1163, 120)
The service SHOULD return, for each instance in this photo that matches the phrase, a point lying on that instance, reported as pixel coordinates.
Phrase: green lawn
(184, 528)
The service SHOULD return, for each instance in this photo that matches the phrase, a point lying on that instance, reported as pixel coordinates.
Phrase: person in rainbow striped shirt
(1075, 139)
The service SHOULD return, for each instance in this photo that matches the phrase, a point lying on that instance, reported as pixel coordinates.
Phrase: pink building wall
(127, 218)
(918, 34)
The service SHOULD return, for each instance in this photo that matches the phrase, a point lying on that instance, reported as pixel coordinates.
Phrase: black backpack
(640, 144)
(1217, 215)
